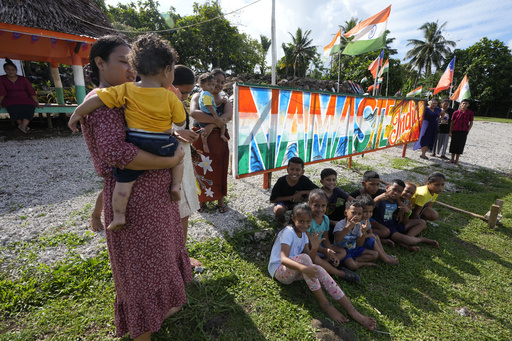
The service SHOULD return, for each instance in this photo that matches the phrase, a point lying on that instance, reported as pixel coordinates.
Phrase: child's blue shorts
(354, 253)
(160, 144)
(394, 226)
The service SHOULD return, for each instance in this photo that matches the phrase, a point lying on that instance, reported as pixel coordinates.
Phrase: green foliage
(215, 43)
(142, 16)
(488, 64)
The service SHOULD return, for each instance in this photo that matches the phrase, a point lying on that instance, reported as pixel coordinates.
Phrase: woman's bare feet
(96, 223)
(334, 313)
(194, 262)
(173, 311)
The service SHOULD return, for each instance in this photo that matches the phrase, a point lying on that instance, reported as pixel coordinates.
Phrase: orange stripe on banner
(246, 101)
(274, 109)
(332, 105)
(349, 106)
(296, 104)
(315, 104)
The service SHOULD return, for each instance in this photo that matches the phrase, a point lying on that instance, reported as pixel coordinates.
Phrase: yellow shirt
(149, 109)
(422, 196)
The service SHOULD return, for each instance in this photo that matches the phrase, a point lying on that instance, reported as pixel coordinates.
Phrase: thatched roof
(56, 15)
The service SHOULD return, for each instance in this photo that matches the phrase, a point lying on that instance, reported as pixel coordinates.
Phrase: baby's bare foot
(175, 195)
(224, 138)
(117, 223)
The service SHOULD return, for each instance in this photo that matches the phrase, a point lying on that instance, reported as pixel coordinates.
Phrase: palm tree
(265, 45)
(430, 52)
(302, 52)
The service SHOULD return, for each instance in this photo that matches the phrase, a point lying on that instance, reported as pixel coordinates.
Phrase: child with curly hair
(150, 111)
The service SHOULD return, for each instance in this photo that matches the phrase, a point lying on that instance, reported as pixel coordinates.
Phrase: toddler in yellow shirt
(150, 110)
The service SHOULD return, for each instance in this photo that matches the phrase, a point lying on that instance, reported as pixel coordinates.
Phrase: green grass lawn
(235, 299)
(493, 119)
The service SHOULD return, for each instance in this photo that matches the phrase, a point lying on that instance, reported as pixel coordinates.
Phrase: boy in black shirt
(290, 189)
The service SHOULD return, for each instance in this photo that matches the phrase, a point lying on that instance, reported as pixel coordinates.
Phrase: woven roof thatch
(56, 15)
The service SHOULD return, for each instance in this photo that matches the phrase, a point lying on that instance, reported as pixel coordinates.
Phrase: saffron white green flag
(384, 68)
(416, 91)
(369, 35)
(333, 47)
(462, 91)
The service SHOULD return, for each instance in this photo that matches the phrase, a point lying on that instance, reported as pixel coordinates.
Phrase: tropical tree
(302, 52)
(203, 43)
(265, 45)
(430, 52)
(488, 64)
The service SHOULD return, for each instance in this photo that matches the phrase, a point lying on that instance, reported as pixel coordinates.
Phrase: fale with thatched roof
(57, 31)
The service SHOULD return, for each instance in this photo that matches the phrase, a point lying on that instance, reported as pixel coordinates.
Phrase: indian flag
(385, 68)
(369, 35)
(333, 47)
(462, 91)
(414, 92)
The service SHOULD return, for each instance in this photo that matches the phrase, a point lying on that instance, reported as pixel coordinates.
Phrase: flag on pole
(414, 92)
(373, 67)
(446, 78)
(369, 35)
(462, 91)
(385, 68)
(363, 80)
(398, 93)
(333, 47)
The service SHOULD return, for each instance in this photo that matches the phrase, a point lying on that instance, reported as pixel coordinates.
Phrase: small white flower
(209, 192)
(205, 164)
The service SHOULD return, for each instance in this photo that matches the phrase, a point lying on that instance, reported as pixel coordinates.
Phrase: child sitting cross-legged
(290, 189)
(372, 241)
(350, 234)
(371, 186)
(387, 212)
(150, 111)
(290, 261)
(326, 257)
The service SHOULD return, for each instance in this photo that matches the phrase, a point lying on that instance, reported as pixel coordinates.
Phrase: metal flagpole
(274, 43)
(267, 177)
(387, 80)
(339, 69)
(451, 87)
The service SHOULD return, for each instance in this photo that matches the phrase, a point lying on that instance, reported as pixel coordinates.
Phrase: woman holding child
(149, 261)
(212, 170)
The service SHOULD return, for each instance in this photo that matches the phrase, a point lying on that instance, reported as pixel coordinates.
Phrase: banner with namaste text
(273, 124)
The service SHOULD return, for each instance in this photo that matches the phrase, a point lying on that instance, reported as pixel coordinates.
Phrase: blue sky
(467, 21)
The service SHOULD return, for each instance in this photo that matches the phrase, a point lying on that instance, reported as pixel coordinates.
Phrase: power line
(168, 30)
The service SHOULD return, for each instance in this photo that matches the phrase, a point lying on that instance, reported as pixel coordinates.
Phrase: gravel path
(48, 186)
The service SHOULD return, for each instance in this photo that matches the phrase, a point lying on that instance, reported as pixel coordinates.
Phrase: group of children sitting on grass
(335, 233)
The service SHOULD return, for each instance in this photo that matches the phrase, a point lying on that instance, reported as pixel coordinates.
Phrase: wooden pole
(404, 148)
(267, 180)
(350, 162)
(493, 217)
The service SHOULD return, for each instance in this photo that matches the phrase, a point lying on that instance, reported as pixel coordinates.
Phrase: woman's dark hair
(103, 47)
(183, 75)
(9, 62)
(151, 54)
(435, 176)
